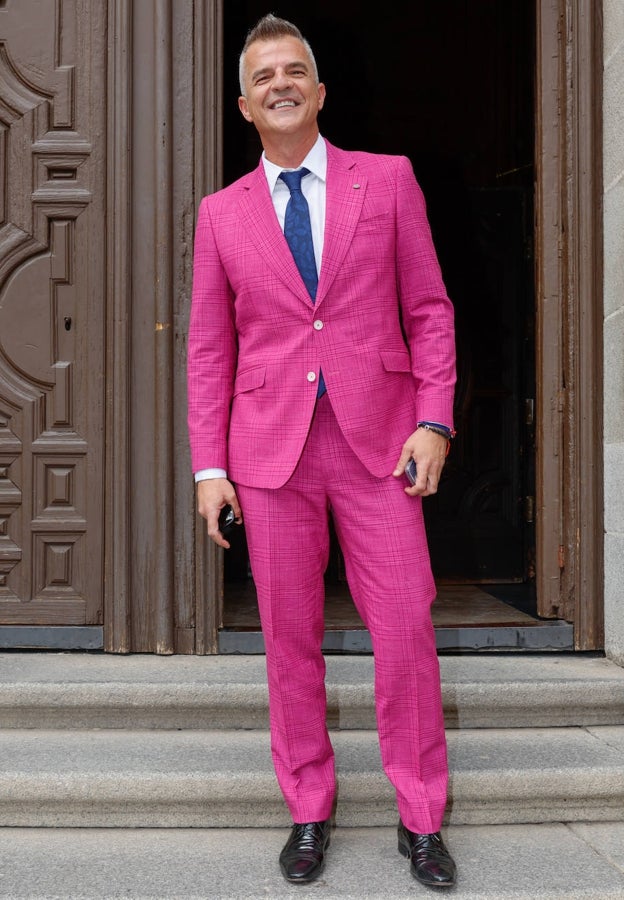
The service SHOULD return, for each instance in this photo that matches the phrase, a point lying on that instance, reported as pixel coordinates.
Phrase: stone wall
(614, 326)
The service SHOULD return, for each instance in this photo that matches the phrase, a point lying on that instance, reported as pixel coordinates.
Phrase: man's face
(282, 96)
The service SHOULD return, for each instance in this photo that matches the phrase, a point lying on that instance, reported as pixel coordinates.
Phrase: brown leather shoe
(303, 857)
(431, 863)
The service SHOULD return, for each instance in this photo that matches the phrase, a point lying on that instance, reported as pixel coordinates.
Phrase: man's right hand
(212, 495)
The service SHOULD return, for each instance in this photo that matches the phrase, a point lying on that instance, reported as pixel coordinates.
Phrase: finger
(404, 458)
(433, 479)
(215, 535)
(238, 513)
(430, 488)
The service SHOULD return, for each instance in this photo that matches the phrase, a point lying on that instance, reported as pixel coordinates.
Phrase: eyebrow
(298, 64)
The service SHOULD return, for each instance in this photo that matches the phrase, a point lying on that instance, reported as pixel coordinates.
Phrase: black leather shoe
(432, 864)
(303, 856)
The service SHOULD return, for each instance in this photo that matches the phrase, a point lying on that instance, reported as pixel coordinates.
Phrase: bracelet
(437, 428)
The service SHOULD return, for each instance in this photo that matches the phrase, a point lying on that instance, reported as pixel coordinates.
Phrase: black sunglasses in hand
(227, 520)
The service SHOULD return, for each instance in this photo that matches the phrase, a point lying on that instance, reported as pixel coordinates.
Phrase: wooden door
(51, 311)
(112, 127)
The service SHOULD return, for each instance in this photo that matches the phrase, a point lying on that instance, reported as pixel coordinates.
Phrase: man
(313, 382)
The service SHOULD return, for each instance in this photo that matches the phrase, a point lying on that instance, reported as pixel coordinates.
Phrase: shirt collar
(315, 161)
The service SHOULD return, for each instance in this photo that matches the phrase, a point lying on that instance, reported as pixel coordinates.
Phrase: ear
(321, 95)
(244, 108)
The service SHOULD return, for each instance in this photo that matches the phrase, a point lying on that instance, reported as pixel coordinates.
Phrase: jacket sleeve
(211, 350)
(427, 313)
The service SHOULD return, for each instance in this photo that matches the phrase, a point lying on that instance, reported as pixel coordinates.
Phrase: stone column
(614, 327)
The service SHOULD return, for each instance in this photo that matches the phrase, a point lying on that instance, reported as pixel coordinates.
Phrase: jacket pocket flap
(395, 360)
(249, 379)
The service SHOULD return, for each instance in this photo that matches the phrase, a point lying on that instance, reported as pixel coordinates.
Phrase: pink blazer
(381, 328)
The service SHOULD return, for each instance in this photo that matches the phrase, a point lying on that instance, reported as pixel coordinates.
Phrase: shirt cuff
(205, 474)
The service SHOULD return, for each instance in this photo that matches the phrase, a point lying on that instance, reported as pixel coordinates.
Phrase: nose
(281, 80)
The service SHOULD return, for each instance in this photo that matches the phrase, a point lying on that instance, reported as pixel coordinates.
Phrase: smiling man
(282, 96)
(321, 362)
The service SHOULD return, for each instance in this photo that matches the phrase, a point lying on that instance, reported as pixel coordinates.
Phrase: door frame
(568, 280)
(161, 580)
(569, 316)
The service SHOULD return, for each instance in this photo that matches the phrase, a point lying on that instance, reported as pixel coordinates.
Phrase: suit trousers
(382, 537)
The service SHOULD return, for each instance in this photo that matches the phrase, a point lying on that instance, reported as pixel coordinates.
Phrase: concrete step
(213, 779)
(537, 862)
(65, 690)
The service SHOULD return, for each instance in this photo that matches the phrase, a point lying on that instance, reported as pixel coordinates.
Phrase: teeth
(283, 103)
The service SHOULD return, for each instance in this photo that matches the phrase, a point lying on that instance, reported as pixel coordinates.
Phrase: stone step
(212, 779)
(519, 862)
(65, 690)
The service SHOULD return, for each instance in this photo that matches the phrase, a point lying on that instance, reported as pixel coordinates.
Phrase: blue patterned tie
(298, 233)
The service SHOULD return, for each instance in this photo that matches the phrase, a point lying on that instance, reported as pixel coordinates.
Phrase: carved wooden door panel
(52, 91)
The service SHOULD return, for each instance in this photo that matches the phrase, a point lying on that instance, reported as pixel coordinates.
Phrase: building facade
(117, 117)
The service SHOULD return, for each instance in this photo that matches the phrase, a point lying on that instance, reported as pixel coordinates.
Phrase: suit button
(311, 376)
(318, 324)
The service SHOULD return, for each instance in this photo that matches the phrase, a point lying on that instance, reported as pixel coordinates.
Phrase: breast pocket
(374, 224)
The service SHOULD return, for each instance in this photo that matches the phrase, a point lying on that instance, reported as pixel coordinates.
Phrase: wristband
(437, 428)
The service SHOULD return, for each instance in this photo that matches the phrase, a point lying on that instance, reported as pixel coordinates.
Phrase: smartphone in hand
(410, 472)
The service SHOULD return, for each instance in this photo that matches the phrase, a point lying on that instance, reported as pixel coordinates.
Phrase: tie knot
(293, 179)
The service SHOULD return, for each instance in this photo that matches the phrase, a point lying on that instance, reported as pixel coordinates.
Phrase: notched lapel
(346, 189)
(258, 216)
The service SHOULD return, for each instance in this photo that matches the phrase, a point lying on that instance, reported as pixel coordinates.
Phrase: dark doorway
(450, 85)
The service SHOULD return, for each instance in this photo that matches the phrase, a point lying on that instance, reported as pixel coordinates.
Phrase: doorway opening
(452, 88)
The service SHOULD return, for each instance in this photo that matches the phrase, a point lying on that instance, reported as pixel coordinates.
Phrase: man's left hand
(428, 450)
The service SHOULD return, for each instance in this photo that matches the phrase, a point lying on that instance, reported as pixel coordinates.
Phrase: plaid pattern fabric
(381, 328)
(298, 233)
(381, 532)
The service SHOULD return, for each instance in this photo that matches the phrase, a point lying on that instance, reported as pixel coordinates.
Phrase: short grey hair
(268, 28)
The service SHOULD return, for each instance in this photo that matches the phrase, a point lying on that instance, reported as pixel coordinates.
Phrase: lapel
(346, 189)
(258, 216)
(345, 193)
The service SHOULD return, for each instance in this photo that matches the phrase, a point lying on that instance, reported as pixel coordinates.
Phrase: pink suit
(382, 332)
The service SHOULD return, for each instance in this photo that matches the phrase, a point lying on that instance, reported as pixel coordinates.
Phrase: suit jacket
(381, 328)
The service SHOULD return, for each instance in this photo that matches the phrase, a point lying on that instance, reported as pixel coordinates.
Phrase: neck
(289, 152)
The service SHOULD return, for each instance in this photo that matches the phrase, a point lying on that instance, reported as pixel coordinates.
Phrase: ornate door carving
(52, 88)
